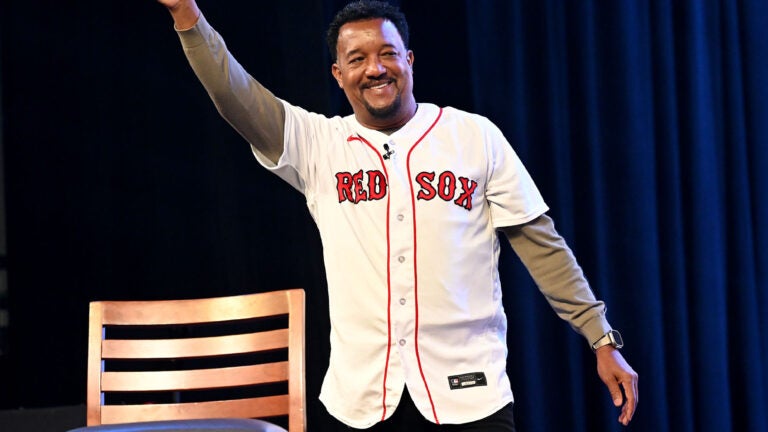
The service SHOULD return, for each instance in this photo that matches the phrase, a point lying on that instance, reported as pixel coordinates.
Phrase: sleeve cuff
(595, 328)
(196, 35)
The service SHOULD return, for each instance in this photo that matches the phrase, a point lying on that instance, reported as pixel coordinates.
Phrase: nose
(374, 68)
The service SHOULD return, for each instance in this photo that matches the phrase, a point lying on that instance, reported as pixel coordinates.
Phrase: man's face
(374, 70)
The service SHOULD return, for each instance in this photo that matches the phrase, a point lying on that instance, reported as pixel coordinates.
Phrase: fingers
(615, 391)
(631, 394)
(621, 381)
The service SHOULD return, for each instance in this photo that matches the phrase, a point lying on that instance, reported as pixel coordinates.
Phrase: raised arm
(250, 108)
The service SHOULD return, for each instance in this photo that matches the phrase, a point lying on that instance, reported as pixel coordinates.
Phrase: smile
(379, 86)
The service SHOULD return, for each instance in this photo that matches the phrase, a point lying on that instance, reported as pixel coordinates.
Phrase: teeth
(380, 86)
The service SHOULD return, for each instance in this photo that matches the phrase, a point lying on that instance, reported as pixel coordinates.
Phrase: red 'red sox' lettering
(351, 187)
(372, 185)
(446, 188)
(424, 180)
(468, 187)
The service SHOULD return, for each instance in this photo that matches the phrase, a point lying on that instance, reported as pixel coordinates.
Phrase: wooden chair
(192, 361)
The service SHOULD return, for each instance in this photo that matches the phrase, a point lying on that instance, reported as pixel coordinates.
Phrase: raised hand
(184, 12)
(170, 4)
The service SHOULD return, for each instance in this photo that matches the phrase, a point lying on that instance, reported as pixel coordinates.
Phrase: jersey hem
(364, 424)
(360, 424)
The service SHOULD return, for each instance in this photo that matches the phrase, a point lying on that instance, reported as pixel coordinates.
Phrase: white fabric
(412, 268)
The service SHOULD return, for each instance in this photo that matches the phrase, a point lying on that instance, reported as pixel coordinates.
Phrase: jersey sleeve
(304, 131)
(292, 165)
(512, 195)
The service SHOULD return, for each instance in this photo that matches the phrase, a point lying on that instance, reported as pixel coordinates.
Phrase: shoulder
(466, 122)
(450, 113)
(303, 116)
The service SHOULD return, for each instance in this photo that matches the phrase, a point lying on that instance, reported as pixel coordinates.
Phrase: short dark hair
(362, 10)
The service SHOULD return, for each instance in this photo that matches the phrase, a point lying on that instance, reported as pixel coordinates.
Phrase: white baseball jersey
(408, 230)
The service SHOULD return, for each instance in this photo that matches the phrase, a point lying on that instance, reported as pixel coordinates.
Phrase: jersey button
(400, 217)
(401, 342)
(402, 301)
(401, 258)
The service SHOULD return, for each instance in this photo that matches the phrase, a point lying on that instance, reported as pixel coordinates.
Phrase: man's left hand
(620, 379)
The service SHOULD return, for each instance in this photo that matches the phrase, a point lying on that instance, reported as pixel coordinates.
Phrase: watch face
(616, 339)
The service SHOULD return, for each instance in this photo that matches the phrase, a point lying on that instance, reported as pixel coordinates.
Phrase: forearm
(553, 267)
(249, 107)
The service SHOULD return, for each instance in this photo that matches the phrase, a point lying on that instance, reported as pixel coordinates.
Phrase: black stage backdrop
(645, 124)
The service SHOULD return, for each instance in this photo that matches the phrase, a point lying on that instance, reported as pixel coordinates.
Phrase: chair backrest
(227, 357)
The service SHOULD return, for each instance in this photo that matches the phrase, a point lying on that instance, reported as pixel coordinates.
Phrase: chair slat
(106, 355)
(195, 379)
(193, 311)
(194, 347)
(268, 406)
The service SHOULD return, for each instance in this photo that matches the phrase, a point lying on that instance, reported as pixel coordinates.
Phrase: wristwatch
(612, 338)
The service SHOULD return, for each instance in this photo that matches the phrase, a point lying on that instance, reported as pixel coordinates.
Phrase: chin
(384, 112)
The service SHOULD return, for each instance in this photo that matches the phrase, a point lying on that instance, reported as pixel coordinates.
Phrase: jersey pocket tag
(467, 380)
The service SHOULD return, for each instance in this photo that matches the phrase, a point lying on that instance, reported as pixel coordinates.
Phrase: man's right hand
(170, 4)
(184, 12)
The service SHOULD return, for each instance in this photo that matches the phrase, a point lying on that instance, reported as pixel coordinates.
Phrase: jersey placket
(401, 257)
(401, 307)
(403, 358)
(403, 264)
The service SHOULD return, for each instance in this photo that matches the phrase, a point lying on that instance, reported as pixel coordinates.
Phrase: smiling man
(408, 198)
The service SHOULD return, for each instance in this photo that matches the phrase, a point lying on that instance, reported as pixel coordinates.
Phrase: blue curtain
(645, 125)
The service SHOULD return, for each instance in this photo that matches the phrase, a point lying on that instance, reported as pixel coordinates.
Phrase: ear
(336, 72)
(409, 58)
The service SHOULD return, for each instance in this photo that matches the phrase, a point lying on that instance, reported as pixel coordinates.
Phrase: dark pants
(408, 419)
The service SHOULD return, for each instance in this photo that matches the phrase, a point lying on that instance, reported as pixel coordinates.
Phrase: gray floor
(57, 419)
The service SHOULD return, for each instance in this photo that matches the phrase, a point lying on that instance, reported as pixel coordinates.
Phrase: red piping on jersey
(415, 272)
(389, 280)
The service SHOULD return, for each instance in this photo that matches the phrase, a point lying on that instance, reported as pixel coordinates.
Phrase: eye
(354, 60)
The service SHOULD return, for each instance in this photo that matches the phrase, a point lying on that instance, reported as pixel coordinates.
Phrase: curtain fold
(644, 124)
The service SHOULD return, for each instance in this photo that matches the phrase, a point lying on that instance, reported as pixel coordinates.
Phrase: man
(407, 197)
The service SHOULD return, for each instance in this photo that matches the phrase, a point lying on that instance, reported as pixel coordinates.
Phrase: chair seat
(203, 425)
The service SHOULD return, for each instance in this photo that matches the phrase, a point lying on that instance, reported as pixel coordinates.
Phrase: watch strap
(612, 338)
